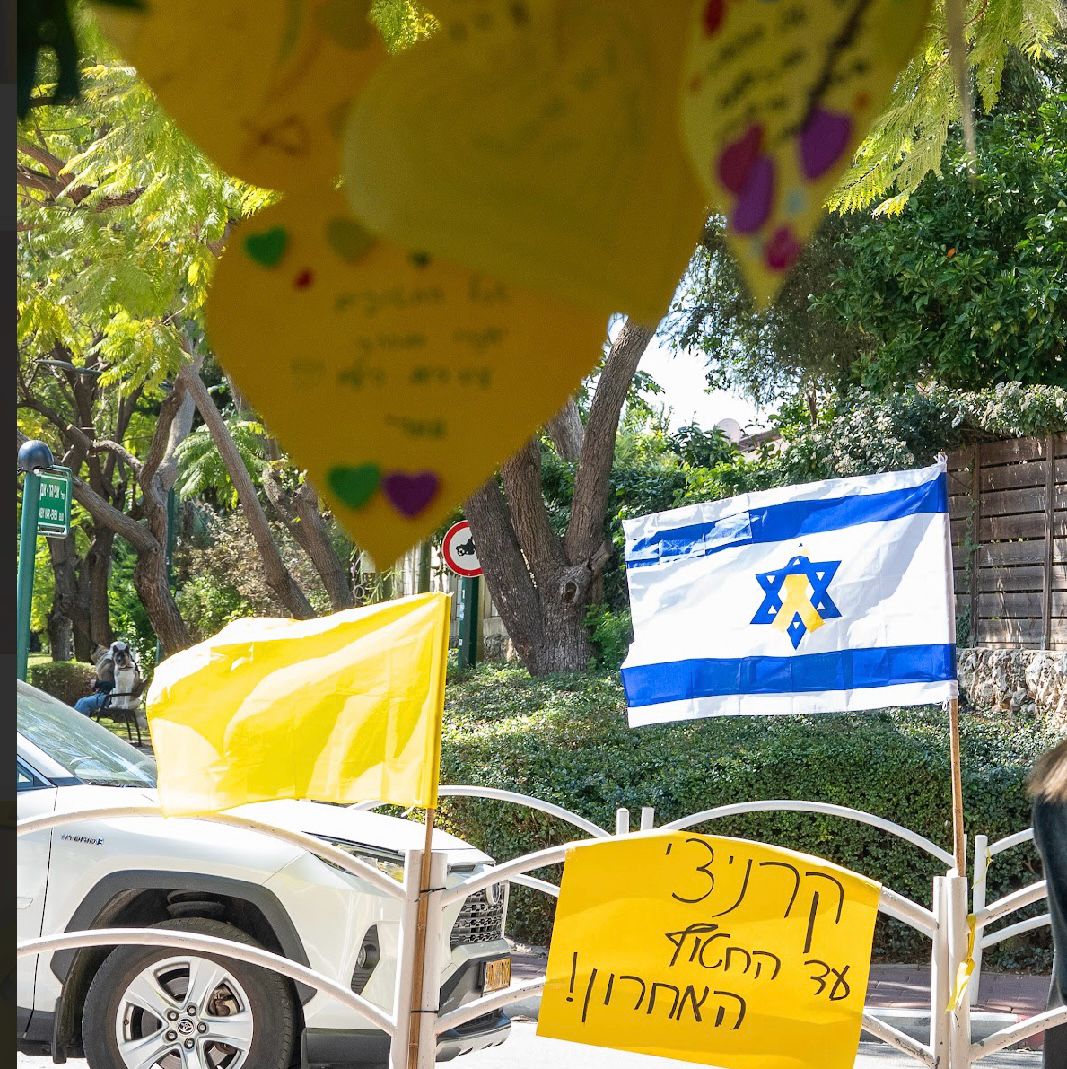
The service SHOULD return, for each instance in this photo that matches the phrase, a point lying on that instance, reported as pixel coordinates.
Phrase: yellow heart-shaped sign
(398, 380)
(775, 99)
(537, 142)
(263, 89)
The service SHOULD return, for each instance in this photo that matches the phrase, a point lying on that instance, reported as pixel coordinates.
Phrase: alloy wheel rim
(184, 1012)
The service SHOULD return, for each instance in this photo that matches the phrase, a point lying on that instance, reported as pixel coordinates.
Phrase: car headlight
(384, 861)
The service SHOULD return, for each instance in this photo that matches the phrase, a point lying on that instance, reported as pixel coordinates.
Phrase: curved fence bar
(208, 944)
(1015, 929)
(1007, 1036)
(489, 1003)
(787, 805)
(1010, 903)
(895, 1038)
(537, 885)
(904, 909)
(336, 856)
(553, 855)
(464, 790)
(1024, 836)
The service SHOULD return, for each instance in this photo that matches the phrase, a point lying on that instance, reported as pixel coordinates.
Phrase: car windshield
(87, 750)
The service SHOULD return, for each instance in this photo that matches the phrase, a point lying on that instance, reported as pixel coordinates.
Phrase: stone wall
(1015, 680)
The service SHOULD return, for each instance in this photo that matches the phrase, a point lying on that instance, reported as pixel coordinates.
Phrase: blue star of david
(819, 575)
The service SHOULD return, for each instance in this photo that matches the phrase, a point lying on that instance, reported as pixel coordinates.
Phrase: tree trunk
(68, 634)
(567, 432)
(542, 585)
(300, 512)
(279, 578)
(60, 635)
(97, 565)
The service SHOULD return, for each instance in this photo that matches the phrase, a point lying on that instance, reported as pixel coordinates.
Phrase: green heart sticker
(355, 486)
(348, 239)
(268, 247)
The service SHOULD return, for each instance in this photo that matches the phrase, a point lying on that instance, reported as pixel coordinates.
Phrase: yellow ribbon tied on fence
(966, 967)
(345, 708)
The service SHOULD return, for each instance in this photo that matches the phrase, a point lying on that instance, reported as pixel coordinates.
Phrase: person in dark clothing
(1048, 785)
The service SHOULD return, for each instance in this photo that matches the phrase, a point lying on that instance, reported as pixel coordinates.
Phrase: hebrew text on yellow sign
(712, 950)
(399, 381)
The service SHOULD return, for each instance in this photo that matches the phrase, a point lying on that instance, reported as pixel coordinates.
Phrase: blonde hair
(1049, 777)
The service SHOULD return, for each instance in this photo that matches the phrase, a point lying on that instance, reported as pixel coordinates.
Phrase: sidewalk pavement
(898, 993)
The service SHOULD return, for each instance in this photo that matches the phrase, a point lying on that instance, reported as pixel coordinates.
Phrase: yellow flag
(346, 709)
(711, 950)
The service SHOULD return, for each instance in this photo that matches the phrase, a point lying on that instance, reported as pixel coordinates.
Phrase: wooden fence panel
(1008, 521)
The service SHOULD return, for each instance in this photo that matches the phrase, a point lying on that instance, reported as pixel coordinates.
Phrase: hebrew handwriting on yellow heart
(263, 89)
(775, 98)
(556, 163)
(399, 381)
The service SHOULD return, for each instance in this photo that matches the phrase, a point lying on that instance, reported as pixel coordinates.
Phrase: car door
(36, 798)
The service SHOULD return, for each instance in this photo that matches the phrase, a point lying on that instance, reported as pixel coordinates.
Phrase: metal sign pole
(468, 622)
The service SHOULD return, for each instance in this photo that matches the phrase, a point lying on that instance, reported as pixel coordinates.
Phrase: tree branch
(521, 475)
(566, 431)
(592, 482)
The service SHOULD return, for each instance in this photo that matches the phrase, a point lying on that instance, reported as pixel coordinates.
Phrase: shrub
(611, 634)
(66, 680)
(565, 740)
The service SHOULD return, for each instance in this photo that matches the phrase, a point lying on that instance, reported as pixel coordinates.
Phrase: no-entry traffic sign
(459, 551)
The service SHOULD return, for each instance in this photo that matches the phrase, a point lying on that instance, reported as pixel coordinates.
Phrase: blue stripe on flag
(707, 677)
(790, 519)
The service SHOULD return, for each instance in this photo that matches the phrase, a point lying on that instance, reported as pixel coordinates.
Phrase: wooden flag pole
(959, 840)
(419, 956)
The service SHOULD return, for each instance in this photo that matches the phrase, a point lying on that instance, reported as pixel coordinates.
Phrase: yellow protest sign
(537, 142)
(263, 89)
(712, 950)
(399, 381)
(775, 99)
(345, 708)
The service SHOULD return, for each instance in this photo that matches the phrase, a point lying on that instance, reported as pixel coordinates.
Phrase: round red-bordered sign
(459, 551)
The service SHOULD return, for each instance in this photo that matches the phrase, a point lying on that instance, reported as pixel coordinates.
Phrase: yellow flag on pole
(345, 709)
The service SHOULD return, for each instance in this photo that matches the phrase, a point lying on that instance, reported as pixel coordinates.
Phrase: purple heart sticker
(754, 202)
(410, 493)
(823, 141)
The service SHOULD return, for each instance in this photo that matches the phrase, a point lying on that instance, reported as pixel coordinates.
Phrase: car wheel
(151, 1007)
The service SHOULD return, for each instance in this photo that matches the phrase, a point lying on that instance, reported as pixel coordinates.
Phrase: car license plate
(497, 974)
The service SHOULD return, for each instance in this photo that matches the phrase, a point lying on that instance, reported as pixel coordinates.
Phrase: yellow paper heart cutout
(775, 99)
(399, 381)
(557, 166)
(263, 89)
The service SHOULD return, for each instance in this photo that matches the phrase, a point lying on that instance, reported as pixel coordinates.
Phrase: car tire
(119, 1030)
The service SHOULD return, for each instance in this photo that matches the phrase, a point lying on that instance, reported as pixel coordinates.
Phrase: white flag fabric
(831, 596)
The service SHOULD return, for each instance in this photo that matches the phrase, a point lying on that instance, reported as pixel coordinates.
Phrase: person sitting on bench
(102, 686)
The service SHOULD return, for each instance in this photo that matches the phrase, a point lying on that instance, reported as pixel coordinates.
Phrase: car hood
(354, 826)
(314, 818)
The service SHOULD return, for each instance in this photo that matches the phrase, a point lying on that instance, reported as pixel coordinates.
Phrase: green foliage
(66, 680)
(201, 471)
(906, 141)
(128, 616)
(968, 285)
(565, 740)
(611, 634)
(791, 348)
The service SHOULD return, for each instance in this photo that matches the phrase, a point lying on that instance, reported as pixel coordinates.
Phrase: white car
(122, 1007)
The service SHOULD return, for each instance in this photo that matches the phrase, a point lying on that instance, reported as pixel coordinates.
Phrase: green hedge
(566, 740)
(66, 680)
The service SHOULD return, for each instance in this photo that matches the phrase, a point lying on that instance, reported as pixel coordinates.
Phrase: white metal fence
(947, 923)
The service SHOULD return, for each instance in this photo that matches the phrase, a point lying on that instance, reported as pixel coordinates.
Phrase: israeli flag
(832, 596)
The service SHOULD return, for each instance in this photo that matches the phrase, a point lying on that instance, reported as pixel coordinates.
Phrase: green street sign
(53, 503)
